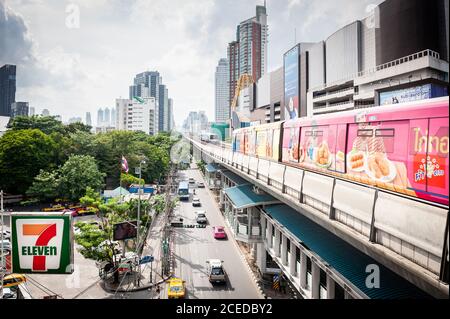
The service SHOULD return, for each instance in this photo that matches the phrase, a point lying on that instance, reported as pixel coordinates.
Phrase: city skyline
(83, 78)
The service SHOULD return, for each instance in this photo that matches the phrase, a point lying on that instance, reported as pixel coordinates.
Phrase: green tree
(23, 154)
(77, 127)
(45, 186)
(79, 172)
(47, 124)
(128, 179)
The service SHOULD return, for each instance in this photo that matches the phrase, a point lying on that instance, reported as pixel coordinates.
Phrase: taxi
(13, 280)
(176, 288)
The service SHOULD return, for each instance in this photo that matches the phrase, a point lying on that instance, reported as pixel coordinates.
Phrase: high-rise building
(137, 114)
(19, 109)
(196, 122)
(75, 119)
(100, 117)
(222, 106)
(146, 84)
(88, 119)
(113, 117)
(171, 118)
(106, 117)
(7, 88)
(163, 108)
(45, 112)
(248, 53)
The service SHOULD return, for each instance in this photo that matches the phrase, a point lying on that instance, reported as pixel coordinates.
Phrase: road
(193, 246)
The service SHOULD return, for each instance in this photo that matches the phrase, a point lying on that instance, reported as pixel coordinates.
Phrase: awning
(234, 177)
(344, 258)
(243, 196)
(211, 168)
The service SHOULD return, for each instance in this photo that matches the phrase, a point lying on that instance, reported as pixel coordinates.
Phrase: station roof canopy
(348, 261)
(243, 196)
(238, 180)
(212, 168)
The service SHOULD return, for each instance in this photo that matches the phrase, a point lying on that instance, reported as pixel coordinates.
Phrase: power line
(39, 285)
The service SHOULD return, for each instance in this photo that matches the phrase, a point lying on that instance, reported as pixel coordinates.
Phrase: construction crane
(245, 80)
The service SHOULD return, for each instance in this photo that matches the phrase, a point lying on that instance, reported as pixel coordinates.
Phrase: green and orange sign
(42, 243)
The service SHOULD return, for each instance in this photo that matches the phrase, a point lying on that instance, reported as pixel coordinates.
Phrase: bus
(183, 190)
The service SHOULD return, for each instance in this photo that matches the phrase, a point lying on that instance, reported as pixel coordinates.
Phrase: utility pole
(139, 222)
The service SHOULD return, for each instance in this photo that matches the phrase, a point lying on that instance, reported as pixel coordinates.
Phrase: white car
(201, 217)
(216, 272)
(196, 202)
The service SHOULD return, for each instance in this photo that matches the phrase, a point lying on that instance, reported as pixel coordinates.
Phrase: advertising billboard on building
(126, 230)
(291, 83)
(421, 92)
(42, 243)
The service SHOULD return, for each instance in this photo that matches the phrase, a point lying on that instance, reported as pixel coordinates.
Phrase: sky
(78, 56)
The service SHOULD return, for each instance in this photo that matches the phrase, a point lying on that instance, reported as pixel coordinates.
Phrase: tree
(23, 154)
(128, 179)
(47, 124)
(45, 186)
(77, 127)
(79, 172)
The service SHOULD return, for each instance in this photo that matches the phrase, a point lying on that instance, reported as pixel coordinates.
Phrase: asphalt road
(193, 246)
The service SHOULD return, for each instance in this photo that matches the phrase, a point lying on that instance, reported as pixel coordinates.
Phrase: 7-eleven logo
(39, 243)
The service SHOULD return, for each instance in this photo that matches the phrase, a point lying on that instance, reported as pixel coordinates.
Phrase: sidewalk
(151, 272)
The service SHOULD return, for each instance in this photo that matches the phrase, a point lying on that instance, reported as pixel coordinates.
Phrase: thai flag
(124, 164)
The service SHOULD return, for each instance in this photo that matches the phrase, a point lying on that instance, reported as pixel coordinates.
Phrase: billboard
(125, 230)
(421, 92)
(42, 243)
(291, 83)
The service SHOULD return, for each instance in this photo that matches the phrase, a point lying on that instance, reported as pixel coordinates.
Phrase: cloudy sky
(72, 68)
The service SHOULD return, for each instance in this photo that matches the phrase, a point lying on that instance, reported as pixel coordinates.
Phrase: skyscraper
(146, 84)
(222, 106)
(106, 117)
(171, 118)
(88, 119)
(163, 107)
(19, 109)
(113, 117)
(248, 54)
(7, 88)
(100, 117)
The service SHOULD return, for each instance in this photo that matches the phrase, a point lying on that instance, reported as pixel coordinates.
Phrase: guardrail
(377, 215)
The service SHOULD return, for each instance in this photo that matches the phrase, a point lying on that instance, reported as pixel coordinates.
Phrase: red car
(219, 232)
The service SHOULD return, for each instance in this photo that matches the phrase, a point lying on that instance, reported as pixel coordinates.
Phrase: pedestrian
(158, 292)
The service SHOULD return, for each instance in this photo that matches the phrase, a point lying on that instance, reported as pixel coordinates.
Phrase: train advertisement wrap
(402, 150)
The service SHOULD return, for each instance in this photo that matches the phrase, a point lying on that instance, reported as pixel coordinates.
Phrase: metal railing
(380, 67)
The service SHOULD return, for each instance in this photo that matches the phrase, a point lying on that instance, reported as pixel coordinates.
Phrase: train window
(386, 132)
(365, 133)
(308, 133)
(317, 133)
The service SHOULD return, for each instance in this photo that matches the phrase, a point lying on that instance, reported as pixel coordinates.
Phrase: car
(201, 217)
(176, 289)
(5, 244)
(191, 181)
(8, 293)
(87, 211)
(200, 185)
(196, 202)
(13, 280)
(216, 272)
(219, 232)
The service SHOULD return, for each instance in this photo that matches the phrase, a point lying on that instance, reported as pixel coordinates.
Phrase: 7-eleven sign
(42, 243)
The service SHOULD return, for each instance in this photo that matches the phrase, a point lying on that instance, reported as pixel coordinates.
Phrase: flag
(124, 164)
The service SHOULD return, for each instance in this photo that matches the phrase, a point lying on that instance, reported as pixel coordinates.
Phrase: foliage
(128, 179)
(89, 237)
(22, 155)
(201, 165)
(77, 173)
(45, 186)
(46, 124)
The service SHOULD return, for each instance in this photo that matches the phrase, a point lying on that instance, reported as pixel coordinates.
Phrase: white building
(222, 105)
(138, 114)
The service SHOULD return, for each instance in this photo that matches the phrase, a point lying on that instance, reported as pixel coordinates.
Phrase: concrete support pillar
(303, 269)
(254, 250)
(330, 287)
(261, 257)
(263, 223)
(315, 286)
(276, 244)
(269, 235)
(293, 259)
(283, 252)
